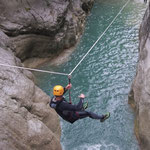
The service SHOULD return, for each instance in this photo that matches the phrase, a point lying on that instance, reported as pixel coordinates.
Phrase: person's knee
(82, 114)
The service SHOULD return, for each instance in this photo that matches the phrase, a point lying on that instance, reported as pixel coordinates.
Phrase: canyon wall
(139, 96)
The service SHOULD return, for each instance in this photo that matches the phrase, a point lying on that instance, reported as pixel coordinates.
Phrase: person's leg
(102, 117)
(81, 105)
(84, 114)
(95, 116)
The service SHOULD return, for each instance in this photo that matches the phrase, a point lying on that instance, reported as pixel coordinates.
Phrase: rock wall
(26, 120)
(35, 28)
(139, 96)
(43, 28)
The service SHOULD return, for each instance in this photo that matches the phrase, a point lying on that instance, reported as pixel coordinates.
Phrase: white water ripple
(102, 146)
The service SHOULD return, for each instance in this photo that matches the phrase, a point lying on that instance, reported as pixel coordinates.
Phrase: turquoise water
(105, 77)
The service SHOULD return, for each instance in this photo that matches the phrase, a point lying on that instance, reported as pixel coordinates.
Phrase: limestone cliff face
(140, 93)
(43, 28)
(26, 120)
(35, 28)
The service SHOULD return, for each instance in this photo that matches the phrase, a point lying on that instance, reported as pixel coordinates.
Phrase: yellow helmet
(58, 90)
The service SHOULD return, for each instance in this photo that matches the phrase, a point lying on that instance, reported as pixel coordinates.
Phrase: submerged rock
(139, 96)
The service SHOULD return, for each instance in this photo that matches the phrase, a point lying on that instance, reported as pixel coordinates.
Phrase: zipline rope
(38, 70)
(99, 38)
(65, 74)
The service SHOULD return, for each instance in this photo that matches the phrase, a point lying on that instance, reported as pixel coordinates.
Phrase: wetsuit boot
(106, 116)
(85, 105)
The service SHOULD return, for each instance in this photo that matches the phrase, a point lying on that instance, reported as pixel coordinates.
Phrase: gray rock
(139, 96)
(26, 120)
(43, 28)
(30, 29)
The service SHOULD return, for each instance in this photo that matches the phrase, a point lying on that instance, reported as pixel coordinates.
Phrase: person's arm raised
(69, 86)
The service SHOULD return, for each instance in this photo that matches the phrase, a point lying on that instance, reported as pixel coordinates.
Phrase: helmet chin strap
(69, 78)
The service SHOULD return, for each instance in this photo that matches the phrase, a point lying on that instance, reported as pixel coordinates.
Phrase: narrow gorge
(37, 31)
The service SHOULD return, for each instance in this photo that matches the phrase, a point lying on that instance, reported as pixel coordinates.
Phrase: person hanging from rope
(70, 112)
